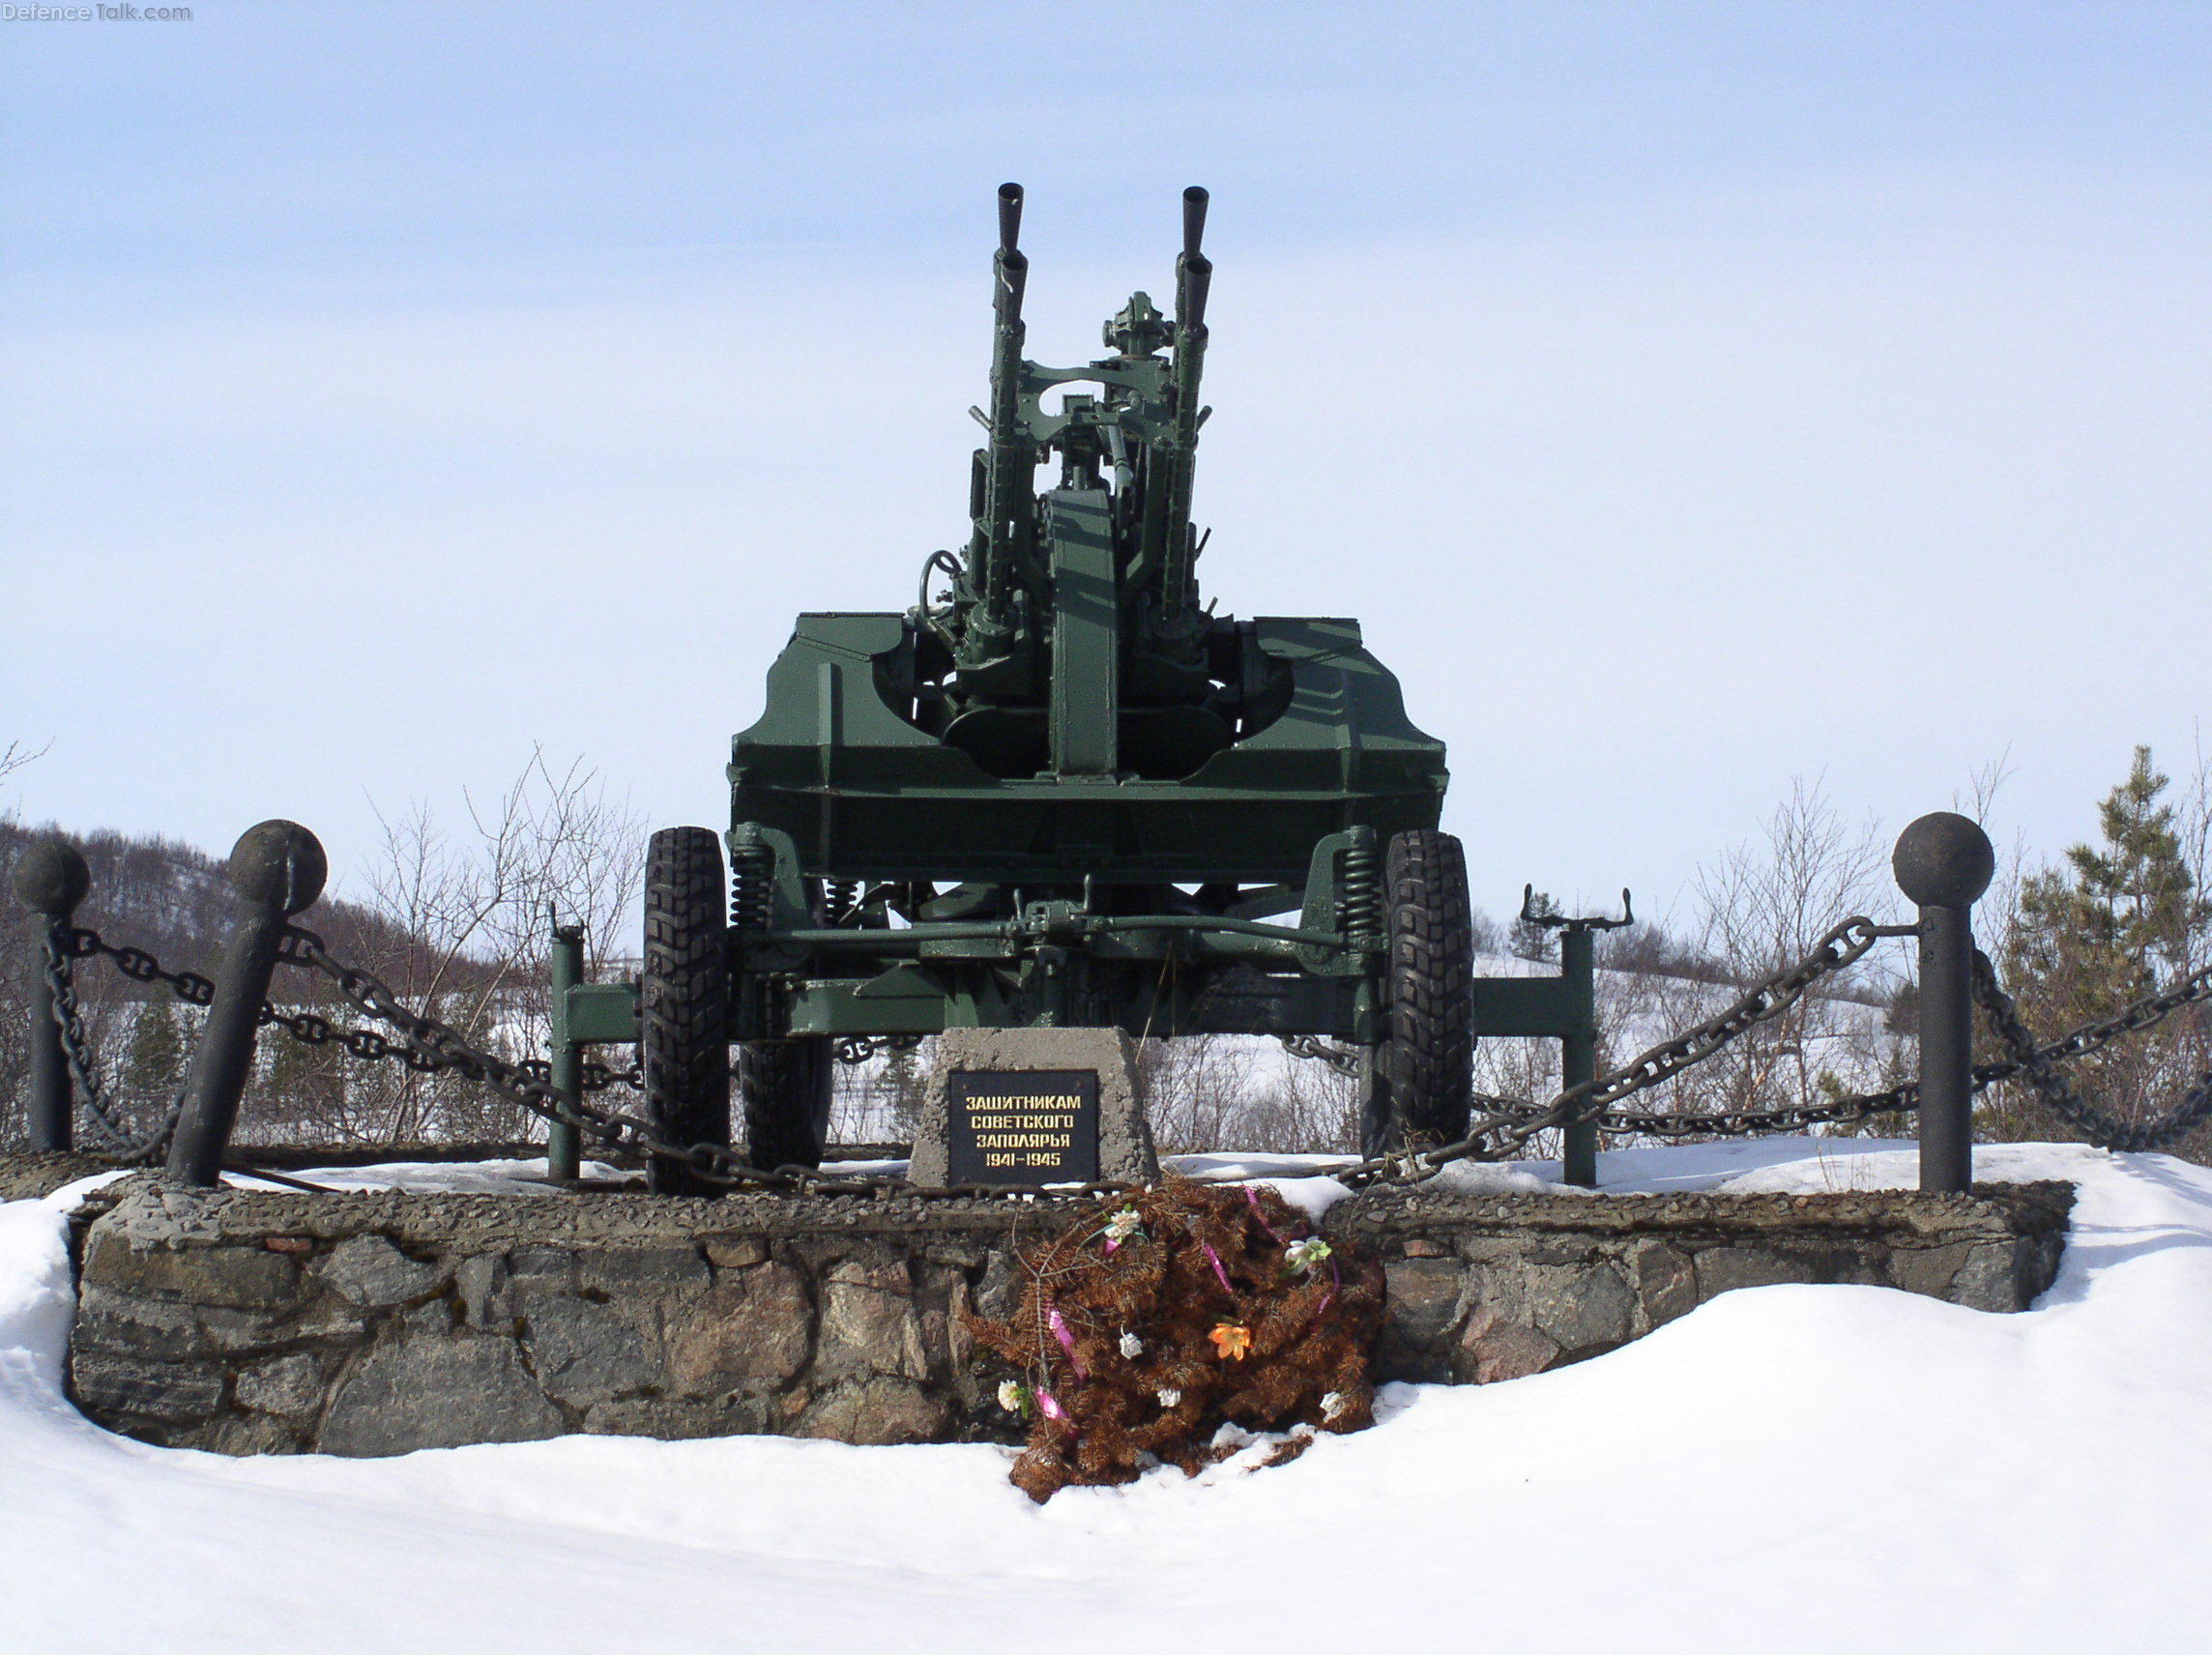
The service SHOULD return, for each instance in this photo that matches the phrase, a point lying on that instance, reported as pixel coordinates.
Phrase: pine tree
(904, 1085)
(154, 1063)
(2113, 923)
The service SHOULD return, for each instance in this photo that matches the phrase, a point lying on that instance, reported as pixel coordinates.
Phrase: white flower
(1168, 1399)
(1131, 1345)
(1334, 1404)
(1305, 1255)
(1124, 1225)
(1013, 1396)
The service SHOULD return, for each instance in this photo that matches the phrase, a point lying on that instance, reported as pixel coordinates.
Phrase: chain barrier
(1503, 1127)
(859, 1048)
(1499, 1133)
(444, 1047)
(2039, 1064)
(63, 949)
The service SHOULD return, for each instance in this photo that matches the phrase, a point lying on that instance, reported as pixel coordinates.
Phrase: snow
(436, 1177)
(1787, 1469)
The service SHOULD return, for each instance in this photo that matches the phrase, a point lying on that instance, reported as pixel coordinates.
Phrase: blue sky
(1688, 397)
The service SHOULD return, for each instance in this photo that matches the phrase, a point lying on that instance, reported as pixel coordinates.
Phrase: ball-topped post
(1943, 863)
(50, 879)
(278, 869)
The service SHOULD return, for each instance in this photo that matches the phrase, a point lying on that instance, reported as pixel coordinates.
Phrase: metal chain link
(138, 965)
(444, 1048)
(859, 1048)
(2040, 1066)
(62, 950)
(1498, 1134)
(427, 1045)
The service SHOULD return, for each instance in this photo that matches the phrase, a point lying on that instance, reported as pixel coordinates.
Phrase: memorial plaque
(1022, 1127)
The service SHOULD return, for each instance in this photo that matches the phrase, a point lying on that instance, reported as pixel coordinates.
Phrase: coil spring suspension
(752, 870)
(1361, 906)
(837, 898)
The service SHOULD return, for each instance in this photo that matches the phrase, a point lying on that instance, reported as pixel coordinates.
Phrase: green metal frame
(1062, 791)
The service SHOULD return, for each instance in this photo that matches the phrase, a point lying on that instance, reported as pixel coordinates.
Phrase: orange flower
(1231, 1342)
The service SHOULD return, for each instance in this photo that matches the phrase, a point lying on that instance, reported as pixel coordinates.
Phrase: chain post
(279, 868)
(564, 1143)
(50, 879)
(1943, 863)
(1578, 1051)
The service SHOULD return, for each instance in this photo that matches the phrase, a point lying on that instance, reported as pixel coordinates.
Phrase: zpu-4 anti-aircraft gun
(1061, 791)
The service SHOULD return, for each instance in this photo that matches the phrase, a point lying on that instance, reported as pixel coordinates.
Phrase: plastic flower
(1170, 1396)
(1124, 1226)
(1334, 1404)
(1307, 1254)
(1014, 1397)
(1132, 1347)
(1231, 1341)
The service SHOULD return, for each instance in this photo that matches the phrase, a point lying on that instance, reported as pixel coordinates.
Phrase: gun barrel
(1008, 466)
(1194, 276)
(1194, 271)
(1012, 264)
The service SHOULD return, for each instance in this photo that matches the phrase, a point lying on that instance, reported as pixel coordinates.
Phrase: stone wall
(375, 1324)
(1494, 1287)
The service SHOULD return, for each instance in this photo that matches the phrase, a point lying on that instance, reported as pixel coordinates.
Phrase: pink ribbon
(1258, 1211)
(1047, 1405)
(1066, 1343)
(1214, 1258)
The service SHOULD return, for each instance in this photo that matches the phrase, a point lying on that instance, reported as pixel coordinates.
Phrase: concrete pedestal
(1124, 1139)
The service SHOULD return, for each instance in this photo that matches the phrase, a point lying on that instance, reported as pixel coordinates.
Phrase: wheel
(1421, 1075)
(684, 1002)
(786, 1089)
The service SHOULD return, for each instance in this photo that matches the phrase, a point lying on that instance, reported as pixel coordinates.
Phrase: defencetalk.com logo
(96, 13)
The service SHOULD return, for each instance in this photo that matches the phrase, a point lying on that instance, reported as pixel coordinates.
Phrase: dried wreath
(1156, 1317)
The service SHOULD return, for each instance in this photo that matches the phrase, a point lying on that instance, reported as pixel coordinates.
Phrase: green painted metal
(1061, 788)
(1578, 1050)
(600, 1013)
(563, 1146)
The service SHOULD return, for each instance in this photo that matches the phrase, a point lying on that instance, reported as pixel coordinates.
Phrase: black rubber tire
(684, 1002)
(786, 1088)
(1420, 1091)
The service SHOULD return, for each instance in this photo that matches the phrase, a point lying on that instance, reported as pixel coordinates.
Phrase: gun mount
(1060, 790)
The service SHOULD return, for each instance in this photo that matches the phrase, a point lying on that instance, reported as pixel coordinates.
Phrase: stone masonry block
(158, 1330)
(176, 1392)
(232, 1277)
(1581, 1310)
(868, 1319)
(752, 1329)
(369, 1271)
(1491, 1349)
(291, 1386)
(1422, 1304)
(617, 1270)
(584, 1353)
(877, 1412)
(1722, 1269)
(436, 1393)
(1666, 1284)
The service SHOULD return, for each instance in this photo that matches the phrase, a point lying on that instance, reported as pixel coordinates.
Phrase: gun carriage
(1060, 790)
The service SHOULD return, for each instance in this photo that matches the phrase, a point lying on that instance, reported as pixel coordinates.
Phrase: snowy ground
(1788, 1469)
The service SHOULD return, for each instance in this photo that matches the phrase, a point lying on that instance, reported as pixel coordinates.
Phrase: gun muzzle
(1193, 220)
(1014, 266)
